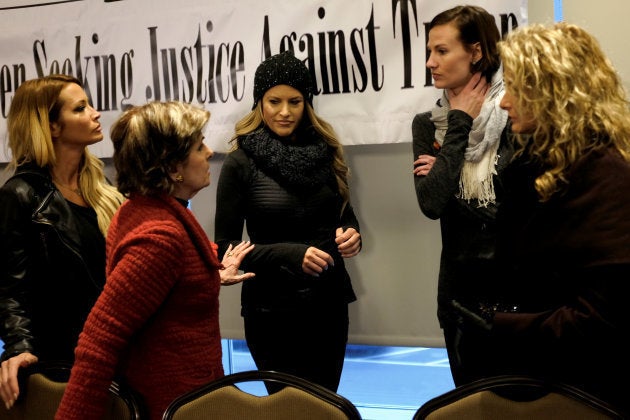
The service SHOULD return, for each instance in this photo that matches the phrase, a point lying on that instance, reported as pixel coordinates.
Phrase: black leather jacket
(46, 286)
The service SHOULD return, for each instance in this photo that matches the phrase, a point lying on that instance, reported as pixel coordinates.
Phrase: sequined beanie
(282, 69)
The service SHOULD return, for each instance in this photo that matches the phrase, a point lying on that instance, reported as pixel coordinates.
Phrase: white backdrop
(396, 273)
(367, 57)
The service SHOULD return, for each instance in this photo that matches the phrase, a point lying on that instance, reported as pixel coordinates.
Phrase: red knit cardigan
(157, 321)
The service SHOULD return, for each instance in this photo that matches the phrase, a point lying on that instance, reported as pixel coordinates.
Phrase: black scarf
(304, 164)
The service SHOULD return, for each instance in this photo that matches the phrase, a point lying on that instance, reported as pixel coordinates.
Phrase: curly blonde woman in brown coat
(565, 230)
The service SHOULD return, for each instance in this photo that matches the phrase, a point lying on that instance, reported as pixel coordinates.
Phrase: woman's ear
(55, 130)
(477, 54)
(175, 174)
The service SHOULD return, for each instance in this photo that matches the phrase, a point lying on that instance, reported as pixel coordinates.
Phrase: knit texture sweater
(156, 323)
(468, 229)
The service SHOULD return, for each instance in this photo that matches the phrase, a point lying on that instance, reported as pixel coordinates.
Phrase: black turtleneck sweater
(287, 195)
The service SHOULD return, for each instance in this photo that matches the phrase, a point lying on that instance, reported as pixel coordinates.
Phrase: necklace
(77, 190)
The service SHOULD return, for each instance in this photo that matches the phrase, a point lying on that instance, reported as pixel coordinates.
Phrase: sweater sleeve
(232, 202)
(229, 218)
(440, 185)
(596, 310)
(140, 277)
(349, 218)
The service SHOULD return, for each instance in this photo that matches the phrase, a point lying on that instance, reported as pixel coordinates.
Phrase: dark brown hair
(475, 24)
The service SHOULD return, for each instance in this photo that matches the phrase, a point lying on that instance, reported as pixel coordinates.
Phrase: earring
(474, 62)
(179, 178)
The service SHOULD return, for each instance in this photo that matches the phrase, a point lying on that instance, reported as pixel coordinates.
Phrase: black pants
(307, 342)
(471, 355)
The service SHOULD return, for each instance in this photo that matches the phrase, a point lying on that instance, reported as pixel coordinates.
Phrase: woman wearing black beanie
(287, 180)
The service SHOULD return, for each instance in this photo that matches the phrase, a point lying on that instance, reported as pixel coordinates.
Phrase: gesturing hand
(231, 263)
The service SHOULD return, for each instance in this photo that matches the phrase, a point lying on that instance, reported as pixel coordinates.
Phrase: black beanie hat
(282, 69)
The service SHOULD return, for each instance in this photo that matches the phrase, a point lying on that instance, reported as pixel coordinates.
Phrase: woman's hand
(9, 389)
(423, 164)
(316, 261)
(231, 263)
(471, 97)
(348, 242)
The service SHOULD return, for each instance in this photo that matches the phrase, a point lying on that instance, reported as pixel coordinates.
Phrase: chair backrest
(299, 399)
(515, 398)
(44, 385)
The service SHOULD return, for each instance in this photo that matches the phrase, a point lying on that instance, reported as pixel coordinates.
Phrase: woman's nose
(95, 114)
(284, 108)
(209, 151)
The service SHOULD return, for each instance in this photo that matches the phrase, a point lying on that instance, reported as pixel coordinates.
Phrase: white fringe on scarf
(480, 158)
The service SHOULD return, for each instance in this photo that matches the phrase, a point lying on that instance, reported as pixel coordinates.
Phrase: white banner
(367, 57)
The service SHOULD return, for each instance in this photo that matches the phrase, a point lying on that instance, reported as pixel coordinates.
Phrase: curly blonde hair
(560, 76)
(253, 120)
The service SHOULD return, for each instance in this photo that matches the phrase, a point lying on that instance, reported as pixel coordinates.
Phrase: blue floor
(385, 383)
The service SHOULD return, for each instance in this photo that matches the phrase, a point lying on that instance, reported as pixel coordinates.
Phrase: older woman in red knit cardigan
(156, 324)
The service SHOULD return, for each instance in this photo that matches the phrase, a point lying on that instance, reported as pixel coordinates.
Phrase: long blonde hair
(35, 105)
(253, 120)
(560, 76)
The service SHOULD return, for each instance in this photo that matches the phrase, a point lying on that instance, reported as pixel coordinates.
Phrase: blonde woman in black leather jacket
(55, 211)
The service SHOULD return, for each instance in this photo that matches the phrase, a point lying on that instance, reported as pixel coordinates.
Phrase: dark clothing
(156, 323)
(467, 263)
(288, 195)
(52, 259)
(310, 343)
(567, 265)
